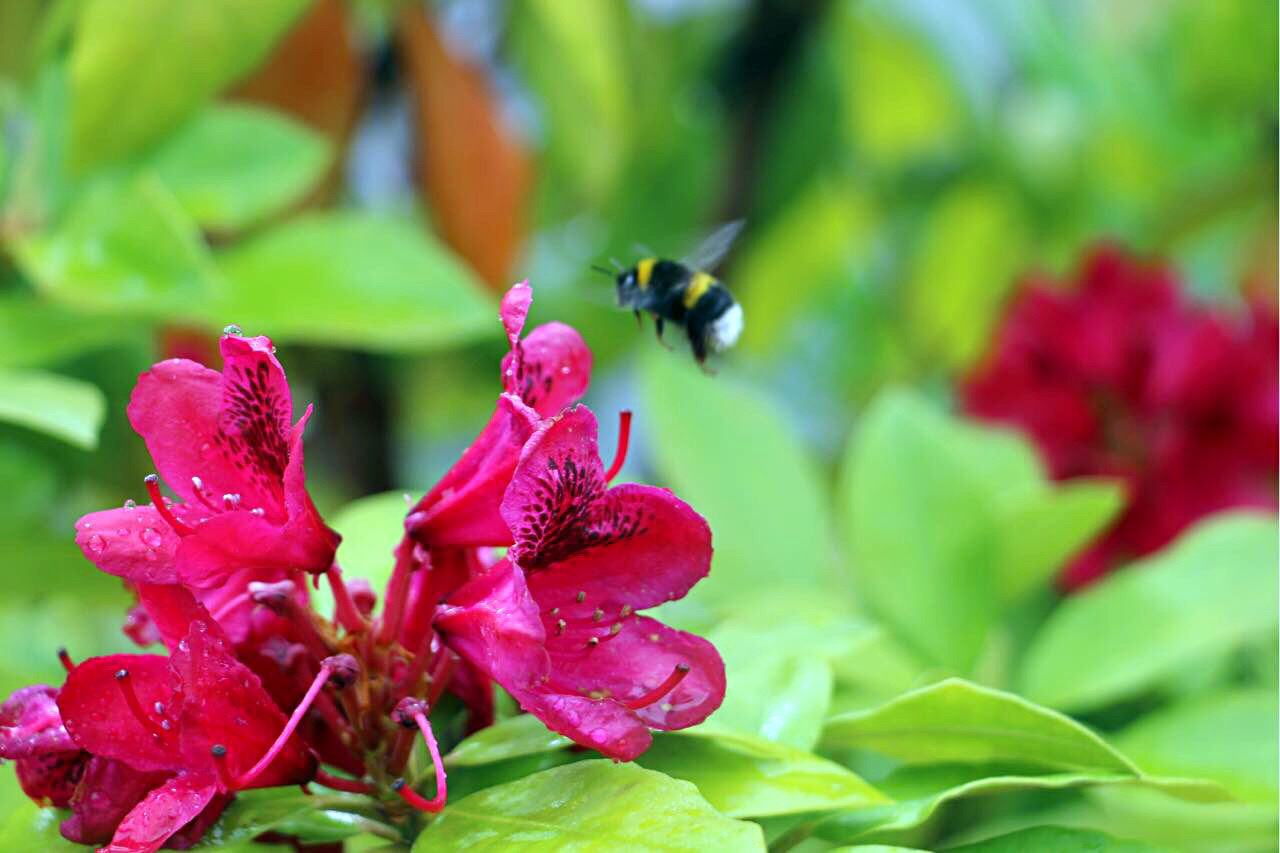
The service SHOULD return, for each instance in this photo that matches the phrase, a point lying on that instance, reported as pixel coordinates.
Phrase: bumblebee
(684, 293)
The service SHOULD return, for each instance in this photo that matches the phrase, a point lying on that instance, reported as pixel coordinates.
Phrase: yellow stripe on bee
(699, 284)
(644, 272)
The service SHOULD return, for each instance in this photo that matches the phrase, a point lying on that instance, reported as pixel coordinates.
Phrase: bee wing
(712, 250)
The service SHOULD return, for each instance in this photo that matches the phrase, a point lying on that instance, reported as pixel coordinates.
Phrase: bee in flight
(685, 293)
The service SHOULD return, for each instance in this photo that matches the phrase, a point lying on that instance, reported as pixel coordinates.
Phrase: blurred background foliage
(360, 180)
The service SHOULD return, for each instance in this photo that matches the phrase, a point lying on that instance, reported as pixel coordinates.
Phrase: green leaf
(57, 405)
(973, 245)
(523, 734)
(31, 829)
(1229, 737)
(920, 531)
(370, 282)
(1054, 839)
(287, 809)
(139, 68)
(371, 527)
(34, 332)
(745, 776)
(124, 247)
(588, 805)
(956, 721)
(1213, 589)
(728, 451)
(919, 793)
(233, 164)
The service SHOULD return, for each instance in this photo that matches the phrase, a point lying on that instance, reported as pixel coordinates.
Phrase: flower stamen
(408, 713)
(677, 675)
(220, 767)
(135, 706)
(65, 659)
(152, 482)
(624, 438)
(322, 677)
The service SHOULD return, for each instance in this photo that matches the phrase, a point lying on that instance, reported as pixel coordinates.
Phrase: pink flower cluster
(147, 749)
(1123, 375)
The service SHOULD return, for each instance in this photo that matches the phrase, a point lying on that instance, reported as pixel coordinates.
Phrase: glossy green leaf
(313, 817)
(523, 734)
(141, 67)
(956, 721)
(730, 453)
(920, 531)
(1214, 588)
(371, 281)
(125, 247)
(919, 793)
(1055, 839)
(233, 165)
(745, 776)
(1228, 737)
(588, 806)
(66, 408)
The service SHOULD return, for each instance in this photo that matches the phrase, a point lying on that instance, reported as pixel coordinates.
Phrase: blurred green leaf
(255, 812)
(1211, 590)
(233, 165)
(34, 332)
(371, 527)
(920, 531)
(972, 246)
(745, 776)
(591, 804)
(140, 67)
(1055, 839)
(366, 281)
(1228, 737)
(31, 829)
(956, 721)
(899, 104)
(728, 451)
(572, 53)
(919, 793)
(67, 408)
(125, 247)
(523, 734)
(779, 697)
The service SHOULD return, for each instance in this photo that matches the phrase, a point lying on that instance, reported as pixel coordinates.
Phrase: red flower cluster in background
(257, 689)
(1122, 374)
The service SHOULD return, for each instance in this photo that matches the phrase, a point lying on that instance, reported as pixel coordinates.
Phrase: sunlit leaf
(730, 453)
(1211, 590)
(233, 165)
(140, 67)
(367, 281)
(67, 408)
(1054, 839)
(515, 737)
(287, 809)
(591, 804)
(745, 776)
(1229, 737)
(125, 247)
(956, 721)
(35, 332)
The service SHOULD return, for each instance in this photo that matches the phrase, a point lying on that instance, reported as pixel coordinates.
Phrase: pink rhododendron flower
(1122, 375)
(227, 445)
(556, 622)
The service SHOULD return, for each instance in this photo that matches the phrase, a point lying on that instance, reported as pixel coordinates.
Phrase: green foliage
(62, 407)
(1052, 839)
(1209, 592)
(140, 67)
(588, 805)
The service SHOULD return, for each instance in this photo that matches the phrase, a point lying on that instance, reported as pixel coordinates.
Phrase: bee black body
(672, 291)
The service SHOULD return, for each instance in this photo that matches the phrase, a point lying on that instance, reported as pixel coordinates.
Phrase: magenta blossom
(556, 622)
(227, 445)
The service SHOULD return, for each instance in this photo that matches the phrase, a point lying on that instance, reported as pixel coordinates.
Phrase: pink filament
(344, 608)
(314, 690)
(152, 483)
(677, 675)
(412, 797)
(65, 659)
(624, 437)
(135, 706)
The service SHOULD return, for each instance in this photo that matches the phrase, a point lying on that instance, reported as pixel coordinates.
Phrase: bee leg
(698, 340)
(657, 325)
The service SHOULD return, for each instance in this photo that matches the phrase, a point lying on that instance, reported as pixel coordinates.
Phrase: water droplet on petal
(151, 555)
(122, 531)
(97, 544)
(234, 331)
(151, 537)
(130, 504)
(599, 735)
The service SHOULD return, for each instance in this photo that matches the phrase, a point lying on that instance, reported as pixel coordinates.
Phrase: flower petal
(108, 791)
(50, 778)
(162, 813)
(237, 540)
(30, 723)
(493, 623)
(130, 542)
(462, 509)
(98, 718)
(225, 703)
(604, 726)
(514, 310)
(312, 538)
(632, 663)
(554, 369)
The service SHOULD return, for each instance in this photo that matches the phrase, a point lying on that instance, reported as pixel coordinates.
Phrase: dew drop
(122, 531)
(151, 537)
(233, 330)
(97, 544)
(130, 504)
(151, 555)
(599, 735)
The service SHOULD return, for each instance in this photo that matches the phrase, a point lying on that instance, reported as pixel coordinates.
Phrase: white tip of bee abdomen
(726, 329)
